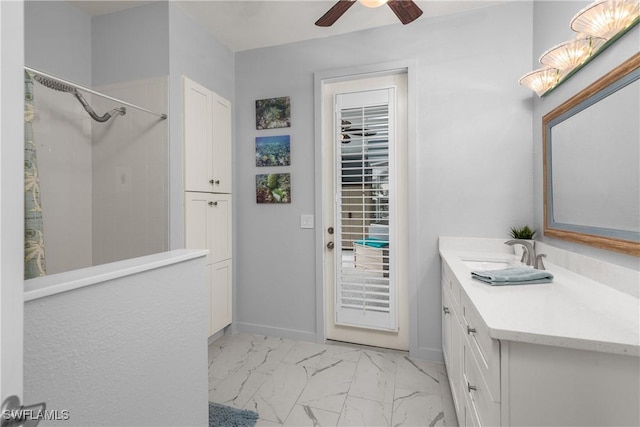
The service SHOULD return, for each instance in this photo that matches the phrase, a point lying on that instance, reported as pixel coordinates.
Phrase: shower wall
(103, 185)
(129, 174)
(62, 131)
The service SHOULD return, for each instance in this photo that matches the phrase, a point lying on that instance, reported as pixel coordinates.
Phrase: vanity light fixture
(568, 55)
(541, 80)
(606, 18)
(598, 25)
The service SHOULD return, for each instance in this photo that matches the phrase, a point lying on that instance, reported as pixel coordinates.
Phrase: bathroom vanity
(563, 353)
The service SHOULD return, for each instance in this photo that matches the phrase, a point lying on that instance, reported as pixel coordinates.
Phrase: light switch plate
(306, 221)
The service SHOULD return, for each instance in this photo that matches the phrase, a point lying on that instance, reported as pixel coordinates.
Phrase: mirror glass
(592, 153)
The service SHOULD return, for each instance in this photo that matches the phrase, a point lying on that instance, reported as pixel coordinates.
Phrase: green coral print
(273, 188)
(273, 113)
(34, 258)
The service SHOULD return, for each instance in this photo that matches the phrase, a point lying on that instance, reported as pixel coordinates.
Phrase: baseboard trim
(269, 331)
(430, 354)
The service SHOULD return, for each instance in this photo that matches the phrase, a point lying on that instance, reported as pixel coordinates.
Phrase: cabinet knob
(445, 310)
(470, 330)
(214, 181)
(217, 181)
(211, 181)
(471, 387)
(213, 203)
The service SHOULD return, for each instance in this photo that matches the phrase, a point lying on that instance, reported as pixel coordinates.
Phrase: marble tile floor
(296, 383)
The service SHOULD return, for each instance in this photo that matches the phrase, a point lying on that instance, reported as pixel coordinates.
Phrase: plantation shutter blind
(365, 274)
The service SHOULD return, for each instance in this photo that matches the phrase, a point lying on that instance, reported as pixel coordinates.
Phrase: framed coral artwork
(273, 188)
(273, 113)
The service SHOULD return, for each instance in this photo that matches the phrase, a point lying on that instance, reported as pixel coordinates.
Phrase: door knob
(330, 245)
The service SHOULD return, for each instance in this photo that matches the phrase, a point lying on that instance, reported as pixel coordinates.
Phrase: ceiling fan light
(606, 18)
(373, 3)
(568, 55)
(541, 80)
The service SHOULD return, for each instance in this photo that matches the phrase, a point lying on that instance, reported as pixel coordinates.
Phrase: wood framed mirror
(591, 151)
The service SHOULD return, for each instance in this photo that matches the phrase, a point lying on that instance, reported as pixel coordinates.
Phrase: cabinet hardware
(213, 203)
(445, 310)
(471, 387)
(211, 181)
(470, 330)
(217, 181)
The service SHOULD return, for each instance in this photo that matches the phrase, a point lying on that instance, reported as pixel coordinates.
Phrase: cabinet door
(446, 327)
(221, 226)
(220, 306)
(198, 134)
(221, 145)
(199, 221)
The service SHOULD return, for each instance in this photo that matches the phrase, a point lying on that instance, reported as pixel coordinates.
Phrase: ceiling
(243, 25)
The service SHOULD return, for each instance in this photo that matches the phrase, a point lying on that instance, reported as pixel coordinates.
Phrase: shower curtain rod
(85, 89)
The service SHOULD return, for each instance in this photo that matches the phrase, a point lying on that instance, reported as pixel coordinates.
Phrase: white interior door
(365, 203)
(11, 198)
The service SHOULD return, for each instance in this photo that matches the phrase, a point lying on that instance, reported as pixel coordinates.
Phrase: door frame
(11, 198)
(355, 73)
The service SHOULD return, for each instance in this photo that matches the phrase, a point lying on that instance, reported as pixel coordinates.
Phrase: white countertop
(573, 311)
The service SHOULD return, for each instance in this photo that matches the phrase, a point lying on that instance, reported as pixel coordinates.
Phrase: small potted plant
(522, 233)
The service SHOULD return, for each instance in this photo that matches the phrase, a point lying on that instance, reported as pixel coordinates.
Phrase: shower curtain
(34, 259)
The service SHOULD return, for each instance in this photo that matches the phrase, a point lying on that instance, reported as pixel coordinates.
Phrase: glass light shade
(373, 3)
(606, 18)
(568, 55)
(541, 80)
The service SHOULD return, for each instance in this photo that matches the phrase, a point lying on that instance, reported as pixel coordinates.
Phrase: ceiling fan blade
(406, 10)
(332, 15)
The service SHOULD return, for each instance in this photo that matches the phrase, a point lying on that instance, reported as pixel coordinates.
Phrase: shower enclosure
(102, 169)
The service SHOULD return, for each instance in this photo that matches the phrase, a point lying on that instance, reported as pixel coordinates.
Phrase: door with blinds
(368, 183)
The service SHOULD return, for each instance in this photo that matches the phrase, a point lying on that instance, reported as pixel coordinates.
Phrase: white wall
(474, 155)
(130, 45)
(130, 180)
(551, 26)
(130, 351)
(57, 40)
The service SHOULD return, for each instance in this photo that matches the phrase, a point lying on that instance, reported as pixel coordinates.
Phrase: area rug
(226, 416)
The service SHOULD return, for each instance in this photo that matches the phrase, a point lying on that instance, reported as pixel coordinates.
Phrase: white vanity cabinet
(471, 356)
(530, 379)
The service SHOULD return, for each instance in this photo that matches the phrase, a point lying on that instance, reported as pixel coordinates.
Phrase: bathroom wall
(194, 53)
(473, 156)
(130, 45)
(551, 26)
(130, 181)
(57, 40)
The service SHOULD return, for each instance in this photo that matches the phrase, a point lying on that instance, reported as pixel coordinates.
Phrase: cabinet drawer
(485, 349)
(477, 392)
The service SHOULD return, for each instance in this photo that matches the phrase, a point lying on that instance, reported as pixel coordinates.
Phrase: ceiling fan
(406, 10)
